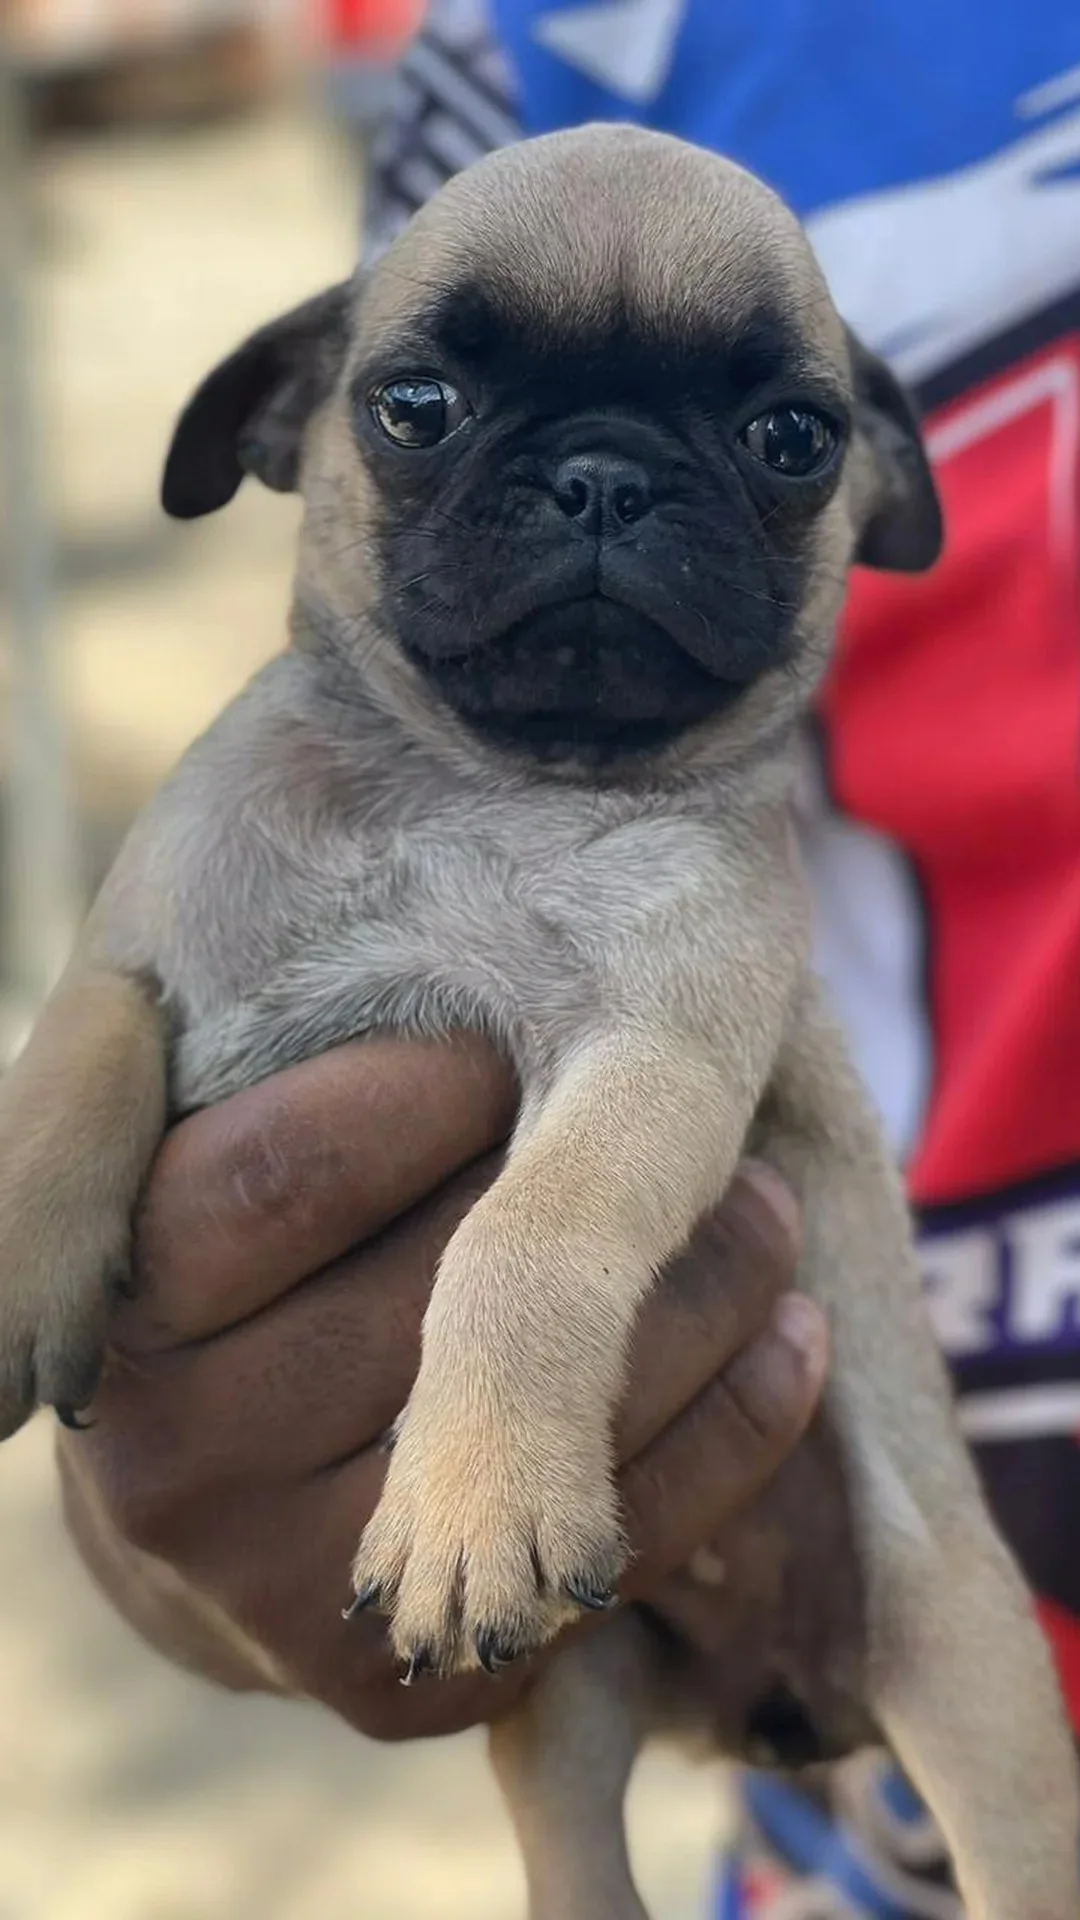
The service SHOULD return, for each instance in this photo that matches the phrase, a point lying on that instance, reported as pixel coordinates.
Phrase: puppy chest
(535, 945)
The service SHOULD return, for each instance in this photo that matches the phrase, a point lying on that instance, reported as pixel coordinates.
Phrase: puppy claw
(420, 1665)
(493, 1651)
(366, 1596)
(471, 1568)
(72, 1418)
(587, 1594)
(51, 1359)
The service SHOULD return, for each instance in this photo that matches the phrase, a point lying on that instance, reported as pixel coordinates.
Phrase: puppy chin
(587, 682)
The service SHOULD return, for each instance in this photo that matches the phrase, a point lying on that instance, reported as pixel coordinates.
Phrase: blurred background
(172, 172)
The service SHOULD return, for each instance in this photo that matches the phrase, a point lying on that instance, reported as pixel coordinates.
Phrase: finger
(267, 1390)
(711, 1461)
(289, 1393)
(248, 1198)
(711, 1302)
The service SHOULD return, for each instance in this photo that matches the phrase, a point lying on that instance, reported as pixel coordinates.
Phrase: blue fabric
(799, 1838)
(729, 1903)
(824, 98)
(901, 1799)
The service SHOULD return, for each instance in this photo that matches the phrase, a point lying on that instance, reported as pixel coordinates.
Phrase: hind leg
(958, 1675)
(563, 1763)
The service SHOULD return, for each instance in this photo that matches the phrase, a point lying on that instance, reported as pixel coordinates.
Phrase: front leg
(81, 1114)
(499, 1518)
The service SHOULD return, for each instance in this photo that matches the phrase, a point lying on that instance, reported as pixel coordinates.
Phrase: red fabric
(952, 725)
(352, 26)
(955, 705)
(1063, 1633)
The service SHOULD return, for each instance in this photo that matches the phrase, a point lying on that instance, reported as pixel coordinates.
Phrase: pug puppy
(585, 461)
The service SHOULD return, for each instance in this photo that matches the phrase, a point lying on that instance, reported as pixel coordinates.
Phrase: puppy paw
(481, 1551)
(57, 1279)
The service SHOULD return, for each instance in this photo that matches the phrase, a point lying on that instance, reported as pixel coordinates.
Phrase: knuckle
(729, 1277)
(261, 1172)
(279, 1165)
(770, 1203)
(751, 1421)
(755, 1230)
(758, 1412)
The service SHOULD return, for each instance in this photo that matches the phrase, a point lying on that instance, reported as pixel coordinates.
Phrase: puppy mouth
(586, 677)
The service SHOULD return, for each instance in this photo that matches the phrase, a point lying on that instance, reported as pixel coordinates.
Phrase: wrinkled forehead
(642, 239)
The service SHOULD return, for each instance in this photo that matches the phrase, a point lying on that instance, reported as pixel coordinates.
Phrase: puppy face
(586, 458)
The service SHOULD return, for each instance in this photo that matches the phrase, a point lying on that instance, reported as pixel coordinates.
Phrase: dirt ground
(128, 1792)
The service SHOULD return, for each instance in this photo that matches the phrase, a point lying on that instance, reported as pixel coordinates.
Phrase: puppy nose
(603, 492)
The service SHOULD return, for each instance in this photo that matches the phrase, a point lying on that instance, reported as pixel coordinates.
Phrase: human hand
(287, 1250)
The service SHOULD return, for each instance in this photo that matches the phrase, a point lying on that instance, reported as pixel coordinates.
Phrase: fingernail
(801, 1325)
(778, 1196)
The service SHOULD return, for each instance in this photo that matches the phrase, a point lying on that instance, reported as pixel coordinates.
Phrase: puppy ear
(249, 414)
(903, 530)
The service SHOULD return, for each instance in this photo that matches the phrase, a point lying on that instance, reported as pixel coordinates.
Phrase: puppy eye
(793, 441)
(415, 412)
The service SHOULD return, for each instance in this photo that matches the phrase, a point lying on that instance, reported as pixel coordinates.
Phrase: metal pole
(38, 908)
